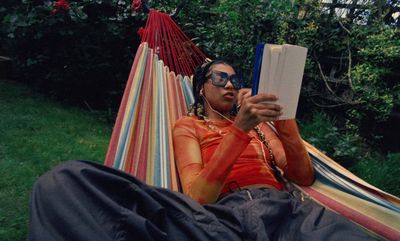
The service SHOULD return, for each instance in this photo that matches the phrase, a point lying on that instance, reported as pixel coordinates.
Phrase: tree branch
(176, 11)
(349, 54)
(344, 28)
(350, 63)
(323, 75)
(334, 105)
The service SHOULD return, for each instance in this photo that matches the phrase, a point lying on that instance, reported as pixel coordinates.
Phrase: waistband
(249, 187)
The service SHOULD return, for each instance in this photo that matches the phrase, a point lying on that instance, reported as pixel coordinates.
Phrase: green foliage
(82, 54)
(372, 94)
(382, 48)
(343, 146)
(231, 29)
(35, 136)
(376, 81)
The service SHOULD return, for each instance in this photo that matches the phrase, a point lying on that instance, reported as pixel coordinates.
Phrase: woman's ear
(201, 92)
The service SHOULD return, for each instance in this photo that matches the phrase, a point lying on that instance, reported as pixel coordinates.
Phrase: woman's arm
(205, 182)
(299, 166)
(201, 182)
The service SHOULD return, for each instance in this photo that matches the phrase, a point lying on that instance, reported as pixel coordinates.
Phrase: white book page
(281, 74)
(268, 67)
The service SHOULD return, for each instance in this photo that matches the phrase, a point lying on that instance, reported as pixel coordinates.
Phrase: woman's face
(220, 98)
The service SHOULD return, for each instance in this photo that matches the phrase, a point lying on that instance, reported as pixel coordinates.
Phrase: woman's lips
(229, 96)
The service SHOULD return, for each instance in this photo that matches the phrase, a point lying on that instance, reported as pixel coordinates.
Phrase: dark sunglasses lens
(236, 81)
(219, 79)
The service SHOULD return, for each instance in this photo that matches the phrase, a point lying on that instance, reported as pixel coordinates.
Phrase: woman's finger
(243, 94)
(268, 113)
(268, 106)
(263, 97)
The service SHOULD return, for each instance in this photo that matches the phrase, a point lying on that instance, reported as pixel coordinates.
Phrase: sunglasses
(221, 78)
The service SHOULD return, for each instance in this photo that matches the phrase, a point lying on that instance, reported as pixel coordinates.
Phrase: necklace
(211, 127)
(260, 134)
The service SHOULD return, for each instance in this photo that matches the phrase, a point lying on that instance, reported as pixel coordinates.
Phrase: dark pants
(79, 200)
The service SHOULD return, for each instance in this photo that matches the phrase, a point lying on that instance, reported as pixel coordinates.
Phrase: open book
(278, 70)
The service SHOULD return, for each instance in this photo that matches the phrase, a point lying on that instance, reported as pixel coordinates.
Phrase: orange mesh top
(214, 158)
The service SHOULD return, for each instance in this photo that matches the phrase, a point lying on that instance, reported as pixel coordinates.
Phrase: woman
(216, 150)
(223, 160)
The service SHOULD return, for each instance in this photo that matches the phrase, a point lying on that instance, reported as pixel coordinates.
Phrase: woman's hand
(256, 109)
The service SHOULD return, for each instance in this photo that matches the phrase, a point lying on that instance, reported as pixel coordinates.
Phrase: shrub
(340, 144)
(80, 51)
(376, 83)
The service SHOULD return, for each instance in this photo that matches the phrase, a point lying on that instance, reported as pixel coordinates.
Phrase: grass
(381, 171)
(35, 135)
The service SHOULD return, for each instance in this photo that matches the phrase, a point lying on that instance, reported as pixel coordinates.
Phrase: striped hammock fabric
(141, 144)
(341, 191)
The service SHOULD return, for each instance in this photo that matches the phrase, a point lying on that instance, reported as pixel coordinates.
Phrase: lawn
(35, 135)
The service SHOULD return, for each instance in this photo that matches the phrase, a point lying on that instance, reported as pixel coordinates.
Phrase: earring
(200, 110)
(190, 111)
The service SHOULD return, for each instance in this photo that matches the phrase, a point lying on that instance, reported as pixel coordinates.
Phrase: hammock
(157, 95)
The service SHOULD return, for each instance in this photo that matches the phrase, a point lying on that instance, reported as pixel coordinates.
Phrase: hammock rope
(171, 44)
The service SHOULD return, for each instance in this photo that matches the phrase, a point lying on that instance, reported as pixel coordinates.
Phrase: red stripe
(365, 221)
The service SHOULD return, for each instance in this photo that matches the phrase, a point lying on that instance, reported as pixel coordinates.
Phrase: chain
(261, 135)
(277, 170)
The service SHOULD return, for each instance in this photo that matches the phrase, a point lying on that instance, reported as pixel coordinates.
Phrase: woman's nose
(229, 85)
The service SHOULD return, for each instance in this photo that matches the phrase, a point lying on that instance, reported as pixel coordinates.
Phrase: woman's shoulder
(186, 125)
(187, 122)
